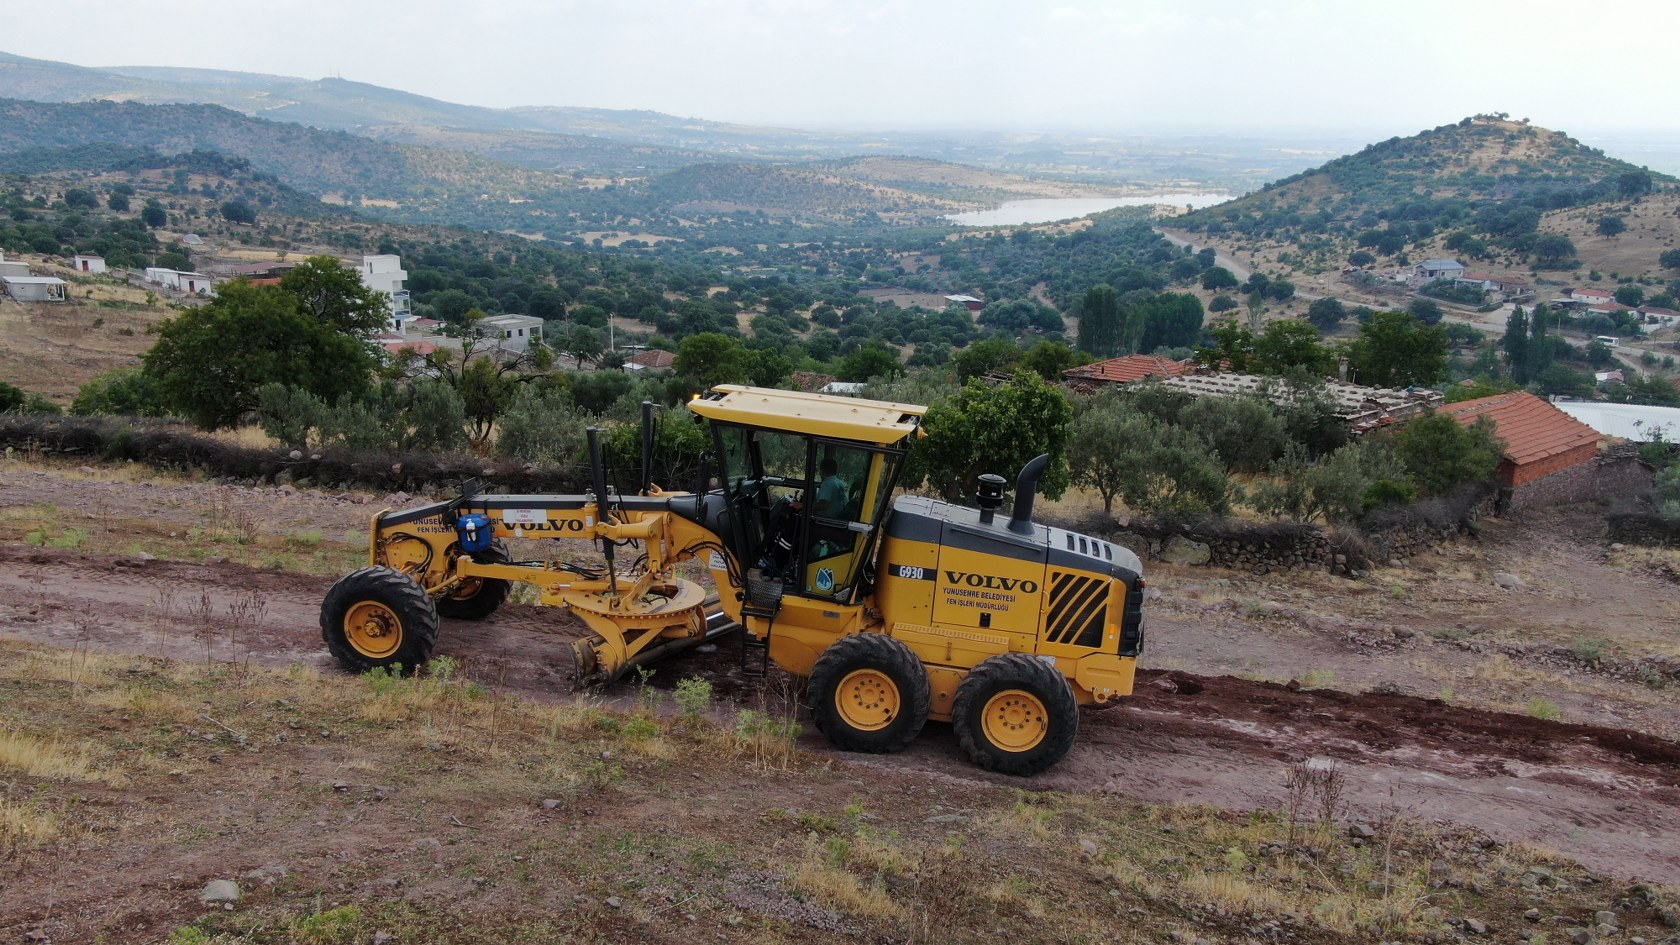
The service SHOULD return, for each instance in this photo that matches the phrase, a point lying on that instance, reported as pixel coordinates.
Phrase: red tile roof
(654, 359)
(1531, 428)
(812, 380)
(1124, 370)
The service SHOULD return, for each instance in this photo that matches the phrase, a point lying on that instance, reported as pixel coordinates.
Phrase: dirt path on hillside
(1607, 797)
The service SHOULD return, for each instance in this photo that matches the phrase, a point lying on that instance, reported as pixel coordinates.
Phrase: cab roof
(843, 418)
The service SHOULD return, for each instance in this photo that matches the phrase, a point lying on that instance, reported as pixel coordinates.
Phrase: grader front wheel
(378, 617)
(1015, 714)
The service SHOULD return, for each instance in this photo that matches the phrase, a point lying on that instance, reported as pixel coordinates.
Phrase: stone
(1508, 581)
(1165, 684)
(1089, 849)
(614, 902)
(1606, 917)
(550, 803)
(1532, 915)
(1181, 550)
(946, 819)
(295, 455)
(381, 938)
(220, 890)
(1361, 831)
(706, 648)
(1475, 926)
(267, 874)
(1579, 936)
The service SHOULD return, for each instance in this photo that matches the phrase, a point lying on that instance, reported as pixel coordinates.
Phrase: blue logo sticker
(825, 579)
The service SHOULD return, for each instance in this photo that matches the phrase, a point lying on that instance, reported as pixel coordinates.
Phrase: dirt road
(1604, 796)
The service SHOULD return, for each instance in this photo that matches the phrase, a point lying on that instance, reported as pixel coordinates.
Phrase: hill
(443, 185)
(1478, 187)
(570, 137)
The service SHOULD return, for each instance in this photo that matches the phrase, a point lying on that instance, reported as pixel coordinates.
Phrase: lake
(1050, 209)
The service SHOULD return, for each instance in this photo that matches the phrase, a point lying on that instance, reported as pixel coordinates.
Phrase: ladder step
(751, 667)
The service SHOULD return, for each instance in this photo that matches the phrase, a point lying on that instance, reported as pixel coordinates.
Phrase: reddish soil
(1603, 792)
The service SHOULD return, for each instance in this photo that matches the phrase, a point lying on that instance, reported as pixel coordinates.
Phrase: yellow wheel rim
(867, 699)
(1015, 720)
(373, 629)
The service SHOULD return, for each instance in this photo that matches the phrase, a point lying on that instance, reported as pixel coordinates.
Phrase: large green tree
(1515, 346)
(333, 293)
(998, 429)
(209, 361)
(1099, 322)
(1393, 349)
(1150, 465)
(1440, 453)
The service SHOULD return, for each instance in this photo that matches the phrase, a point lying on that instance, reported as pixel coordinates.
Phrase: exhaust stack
(1026, 491)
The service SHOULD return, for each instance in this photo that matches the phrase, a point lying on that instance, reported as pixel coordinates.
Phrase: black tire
(381, 602)
(482, 595)
(875, 659)
(1056, 714)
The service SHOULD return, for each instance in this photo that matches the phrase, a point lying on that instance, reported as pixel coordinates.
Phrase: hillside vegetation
(1478, 187)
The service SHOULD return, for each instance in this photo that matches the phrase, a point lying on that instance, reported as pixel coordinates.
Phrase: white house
(1591, 296)
(196, 283)
(512, 332)
(34, 288)
(89, 263)
(1440, 269)
(14, 268)
(385, 274)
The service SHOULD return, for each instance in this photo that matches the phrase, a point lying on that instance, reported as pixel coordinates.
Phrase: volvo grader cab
(897, 608)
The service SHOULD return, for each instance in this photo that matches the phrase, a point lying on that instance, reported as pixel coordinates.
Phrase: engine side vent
(1078, 604)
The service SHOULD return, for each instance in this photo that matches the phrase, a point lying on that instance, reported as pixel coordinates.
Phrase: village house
(1655, 316)
(512, 332)
(650, 359)
(1127, 369)
(385, 274)
(1431, 269)
(1549, 456)
(812, 381)
(1505, 286)
(1363, 409)
(966, 301)
(15, 267)
(89, 263)
(34, 288)
(1582, 298)
(192, 283)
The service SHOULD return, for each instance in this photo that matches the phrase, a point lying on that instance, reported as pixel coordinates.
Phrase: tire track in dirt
(1607, 797)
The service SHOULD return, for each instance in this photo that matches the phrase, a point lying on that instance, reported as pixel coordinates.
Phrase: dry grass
(37, 758)
(824, 874)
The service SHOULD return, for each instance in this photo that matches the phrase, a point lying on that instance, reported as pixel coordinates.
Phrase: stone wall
(1263, 548)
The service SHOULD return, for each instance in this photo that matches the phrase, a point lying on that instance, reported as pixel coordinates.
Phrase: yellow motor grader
(898, 610)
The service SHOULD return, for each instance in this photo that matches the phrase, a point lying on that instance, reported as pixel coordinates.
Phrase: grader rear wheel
(478, 598)
(869, 693)
(378, 617)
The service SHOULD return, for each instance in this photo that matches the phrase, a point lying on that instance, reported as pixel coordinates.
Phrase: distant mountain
(630, 140)
(440, 185)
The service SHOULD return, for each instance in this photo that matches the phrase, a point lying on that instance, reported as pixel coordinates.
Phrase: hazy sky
(1115, 66)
